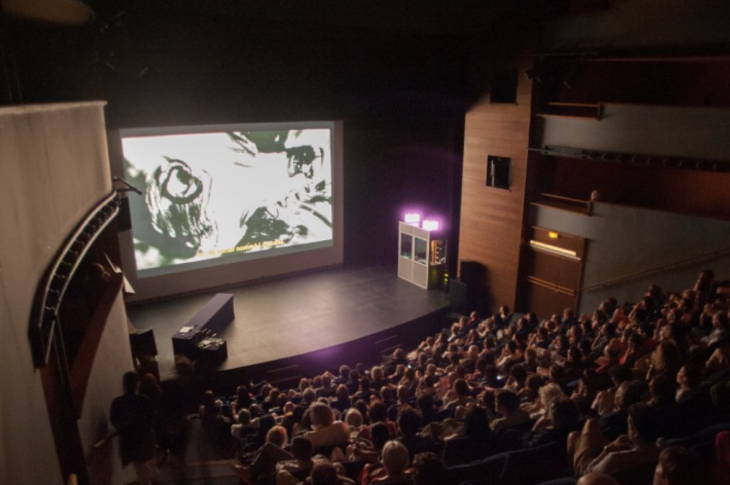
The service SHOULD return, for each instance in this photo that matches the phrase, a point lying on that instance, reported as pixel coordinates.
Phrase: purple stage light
(430, 225)
(412, 218)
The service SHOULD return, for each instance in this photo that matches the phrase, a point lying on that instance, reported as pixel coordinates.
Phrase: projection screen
(225, 194)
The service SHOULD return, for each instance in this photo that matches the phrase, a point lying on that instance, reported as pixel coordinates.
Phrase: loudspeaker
(458, 296)
(474, 276)
(143, 343)
(498, 172)
(124, 218)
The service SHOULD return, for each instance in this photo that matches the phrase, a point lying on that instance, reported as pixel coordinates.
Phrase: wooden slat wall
(492, 219)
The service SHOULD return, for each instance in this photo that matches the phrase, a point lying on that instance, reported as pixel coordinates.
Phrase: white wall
(54, 169)
(622, 240)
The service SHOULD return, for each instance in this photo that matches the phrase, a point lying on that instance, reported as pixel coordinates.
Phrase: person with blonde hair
(395, 461)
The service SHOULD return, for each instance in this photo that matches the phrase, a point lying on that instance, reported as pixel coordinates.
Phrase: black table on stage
(209, 322)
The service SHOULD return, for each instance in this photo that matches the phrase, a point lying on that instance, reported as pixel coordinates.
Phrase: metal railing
(657, 269)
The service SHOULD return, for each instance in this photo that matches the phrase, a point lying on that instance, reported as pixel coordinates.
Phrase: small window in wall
(498, 172)
(504, 87)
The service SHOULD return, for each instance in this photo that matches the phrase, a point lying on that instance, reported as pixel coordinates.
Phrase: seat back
(485, 471)
(534, 465)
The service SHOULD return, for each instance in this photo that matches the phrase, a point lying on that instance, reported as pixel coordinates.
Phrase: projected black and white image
(216, 195)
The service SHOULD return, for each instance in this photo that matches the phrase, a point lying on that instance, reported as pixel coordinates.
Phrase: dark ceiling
(274, 58)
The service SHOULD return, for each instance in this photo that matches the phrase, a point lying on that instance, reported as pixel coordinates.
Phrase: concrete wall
(54, 170)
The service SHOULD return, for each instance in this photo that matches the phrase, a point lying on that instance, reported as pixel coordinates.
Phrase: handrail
(565, 203)
(551, 286)
(569, 199)
(657, 269)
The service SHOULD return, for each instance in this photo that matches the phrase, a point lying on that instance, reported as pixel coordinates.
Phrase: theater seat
(484, 471)
(533, 466)
(639, 475)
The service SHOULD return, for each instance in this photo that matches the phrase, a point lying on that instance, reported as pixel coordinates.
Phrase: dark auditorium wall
(403, 122)
(400, 79)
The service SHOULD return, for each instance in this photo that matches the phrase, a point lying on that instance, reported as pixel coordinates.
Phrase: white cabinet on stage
(421, 256)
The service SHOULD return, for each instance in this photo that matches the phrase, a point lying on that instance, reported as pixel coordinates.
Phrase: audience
(608, 388)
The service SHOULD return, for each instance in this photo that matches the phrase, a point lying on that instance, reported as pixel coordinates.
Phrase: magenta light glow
(430, 225)
(413, 219)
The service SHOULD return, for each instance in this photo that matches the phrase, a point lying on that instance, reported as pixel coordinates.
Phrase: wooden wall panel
(492, 219)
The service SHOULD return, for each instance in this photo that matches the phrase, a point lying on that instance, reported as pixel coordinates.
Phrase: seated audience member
(547, 395)
(679, 466)
(387, 397)
(323, 473)
(328, 389)
(583, 447)
(662, 392)
(429, 469)
(326, 432)
(378, 378)
(517, 378)
(298, 468)
(428, 411)
(666, 359)
(459, 396)
(395, 464)
(595, 478)
(615, 424)
(511, 355)
(634, 351)
(342, 401)
(689, 379)
(473, 441)
(354, 422)
(398, 358)
(243, 400)
(605, 401)
(243, 426)
(531, 392)
(507, 404)
(264, 463)
(409, 424)
(369, 450)
(530, 364)
(633, 450)
(343, 377)
(563, 417)
(364, 391)
(503, 318)
(719, 361)
(403, 395)
(354, 384)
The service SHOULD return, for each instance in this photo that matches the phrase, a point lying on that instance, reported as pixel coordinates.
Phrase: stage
(301, 324)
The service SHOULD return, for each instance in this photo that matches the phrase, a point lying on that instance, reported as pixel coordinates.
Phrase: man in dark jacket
(133, 417)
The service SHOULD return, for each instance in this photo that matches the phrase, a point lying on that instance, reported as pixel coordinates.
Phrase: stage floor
(296, 315)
